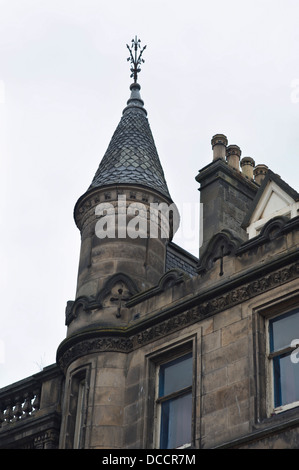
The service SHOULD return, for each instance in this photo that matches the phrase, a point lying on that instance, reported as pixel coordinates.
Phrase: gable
(273, 202)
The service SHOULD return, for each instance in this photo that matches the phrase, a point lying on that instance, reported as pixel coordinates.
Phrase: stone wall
(222, 320)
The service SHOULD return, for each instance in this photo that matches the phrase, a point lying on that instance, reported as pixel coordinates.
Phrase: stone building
(164, 350)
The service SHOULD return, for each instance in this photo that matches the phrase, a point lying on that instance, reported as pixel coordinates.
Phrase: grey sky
(210, 67)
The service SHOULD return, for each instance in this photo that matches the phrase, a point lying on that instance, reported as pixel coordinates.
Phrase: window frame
(77, 407)
(276, 409)
(159, 400)
(263, 310)
(154, 361)
(79, 419)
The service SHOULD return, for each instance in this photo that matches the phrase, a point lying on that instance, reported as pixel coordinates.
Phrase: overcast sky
(212, 67)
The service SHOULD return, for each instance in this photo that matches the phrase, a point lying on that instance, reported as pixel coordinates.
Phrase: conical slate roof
(132, 157)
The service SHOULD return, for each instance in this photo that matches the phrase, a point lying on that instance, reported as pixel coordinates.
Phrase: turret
(123, 219)
(126, 219)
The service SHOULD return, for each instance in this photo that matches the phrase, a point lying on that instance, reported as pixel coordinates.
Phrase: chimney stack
(219, 143)
(233, 155)
(259, 173)
(225, 194)
(247, 165)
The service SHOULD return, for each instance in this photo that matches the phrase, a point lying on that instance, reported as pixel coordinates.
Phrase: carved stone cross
(221, 255)
(119, 298)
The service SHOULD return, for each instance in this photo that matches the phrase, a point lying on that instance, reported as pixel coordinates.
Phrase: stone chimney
(247, 165)
(219, 143)
(225, 194)
(233, 155)
(259, 173)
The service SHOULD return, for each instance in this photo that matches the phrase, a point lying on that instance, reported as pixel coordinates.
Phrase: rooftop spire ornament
(135, 61)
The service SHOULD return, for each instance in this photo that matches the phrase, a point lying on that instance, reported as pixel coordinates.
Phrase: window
(174, 402)
(79, 414)
(283, 334)
(77, 408)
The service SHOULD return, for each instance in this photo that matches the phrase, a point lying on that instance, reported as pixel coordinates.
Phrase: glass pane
(176, 422)
(79, 414)
(175, 375)
(283, 330)
(286, 380)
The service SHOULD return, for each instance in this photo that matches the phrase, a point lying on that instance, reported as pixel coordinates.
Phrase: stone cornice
(181, 314)
(281, 225)
(31, 382)
(220, 169)
(89, 200)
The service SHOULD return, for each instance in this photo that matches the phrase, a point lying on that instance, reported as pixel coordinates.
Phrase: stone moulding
(86, 204)
(274, 228)
(171, 278)
(183, 314)
(259, 434)
(92, 303)
(221, 244)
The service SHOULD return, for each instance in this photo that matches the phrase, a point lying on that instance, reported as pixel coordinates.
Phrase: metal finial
(135, 61)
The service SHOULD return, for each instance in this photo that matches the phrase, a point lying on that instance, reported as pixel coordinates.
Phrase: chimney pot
(247, 165)
(233, 155)
(259, 173)
(219, 143)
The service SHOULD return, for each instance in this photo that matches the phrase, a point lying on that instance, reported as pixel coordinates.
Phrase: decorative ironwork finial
(135, 61)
